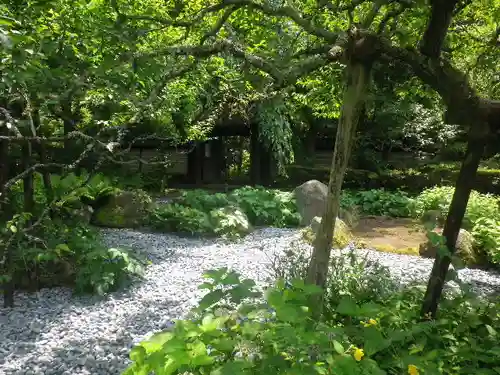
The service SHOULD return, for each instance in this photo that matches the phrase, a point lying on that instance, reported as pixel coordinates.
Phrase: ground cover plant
(237, 330)
(64, 249)
(203, 213)
(432, 205)
(232, 214)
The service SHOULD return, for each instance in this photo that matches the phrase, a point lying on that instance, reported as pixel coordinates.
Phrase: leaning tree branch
(464, 105)
(219, 24)
(284, 11)
(221, 46)
(437, 27)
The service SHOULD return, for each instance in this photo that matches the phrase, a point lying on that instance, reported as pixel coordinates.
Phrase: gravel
(52, 332)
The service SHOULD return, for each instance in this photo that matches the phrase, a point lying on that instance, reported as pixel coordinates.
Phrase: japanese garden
(250, 187)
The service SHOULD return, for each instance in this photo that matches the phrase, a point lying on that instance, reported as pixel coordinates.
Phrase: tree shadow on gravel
(104, 353)
(109, 354)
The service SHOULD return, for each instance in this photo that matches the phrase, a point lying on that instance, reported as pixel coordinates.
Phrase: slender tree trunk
(4, 176)
(463, 187)
(358, 79)
(42, 152)
(29, 205)
(4, 168)
(47, 182)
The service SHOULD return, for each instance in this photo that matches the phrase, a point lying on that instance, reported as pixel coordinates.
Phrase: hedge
(411, 180)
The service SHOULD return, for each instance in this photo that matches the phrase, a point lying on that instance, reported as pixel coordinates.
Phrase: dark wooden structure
(207, 160)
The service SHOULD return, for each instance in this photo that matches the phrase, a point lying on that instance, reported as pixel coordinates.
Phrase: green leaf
(338, 347)
(208, 286)
(211, 298)
(13, 229)
(232, 278)
(491, 330)
(138, 354)
(63, 248)
(348, 307)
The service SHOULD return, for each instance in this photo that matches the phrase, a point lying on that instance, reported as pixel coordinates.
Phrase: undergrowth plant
(379, 202)
(237, 330)
(69, 255)
(230, 215)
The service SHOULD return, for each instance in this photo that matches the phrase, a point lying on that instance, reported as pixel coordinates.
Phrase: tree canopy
(179, 67)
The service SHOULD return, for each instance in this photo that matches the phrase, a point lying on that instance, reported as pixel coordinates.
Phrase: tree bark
(4, 167)
(354, 95)
(42, 152)
(4, 176)
(255, 155)
(437, 27)
(29, 205)
(463, 187)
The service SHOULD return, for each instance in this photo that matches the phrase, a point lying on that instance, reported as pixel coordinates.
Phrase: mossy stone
(342, 235)
(128, 209)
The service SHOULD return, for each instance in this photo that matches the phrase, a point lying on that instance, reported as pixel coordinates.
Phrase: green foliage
(255, 338)
(102, 270)
(276, 131)
(70, 255)
(232, 331)
(69, 191)
(379, 202)
(486, 233)
(439, 198)
(267, 207)
(403, 177)
(202, 200)
(230, 222)
(178, 218)
(200, 212)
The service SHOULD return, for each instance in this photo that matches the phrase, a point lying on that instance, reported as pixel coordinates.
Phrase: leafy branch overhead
(384, 31)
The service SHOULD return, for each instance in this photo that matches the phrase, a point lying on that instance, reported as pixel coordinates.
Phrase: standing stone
(311, 200)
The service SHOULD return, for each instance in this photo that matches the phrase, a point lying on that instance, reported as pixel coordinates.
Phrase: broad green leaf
(338, 347)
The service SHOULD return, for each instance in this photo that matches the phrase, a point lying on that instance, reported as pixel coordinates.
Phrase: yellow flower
(413, 370)
(371, 322)
(358, 354)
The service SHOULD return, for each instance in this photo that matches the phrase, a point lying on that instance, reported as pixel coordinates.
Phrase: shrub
(203, 200)
(68, 255)
(349, 274)
(482, 216)
(230, 215)
(379, 202)
(177, 218)
(230, 222)
(267, 206)
(486, 233)
(233, 332)
(70, 192)
(439, 199)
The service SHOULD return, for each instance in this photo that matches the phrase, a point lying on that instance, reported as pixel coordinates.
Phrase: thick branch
(285, 11)
(437, 27)
(220, 23)
(224, 46)
(464, 105)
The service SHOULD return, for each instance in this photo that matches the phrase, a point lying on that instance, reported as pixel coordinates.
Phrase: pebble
(53, 332)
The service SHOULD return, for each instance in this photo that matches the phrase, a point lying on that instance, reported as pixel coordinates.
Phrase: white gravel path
(53, 333)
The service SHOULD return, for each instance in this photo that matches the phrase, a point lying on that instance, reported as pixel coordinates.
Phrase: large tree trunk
(353, 101)
(463, 187)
